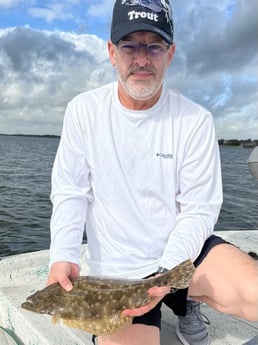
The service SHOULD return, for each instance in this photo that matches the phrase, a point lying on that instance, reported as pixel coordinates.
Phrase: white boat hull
(21, 275)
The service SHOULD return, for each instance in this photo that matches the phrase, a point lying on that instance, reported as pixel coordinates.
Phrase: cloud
(215, 63)
(41, 71)
(213, 41)
(51, 12)
(8, 3)
(100, 8)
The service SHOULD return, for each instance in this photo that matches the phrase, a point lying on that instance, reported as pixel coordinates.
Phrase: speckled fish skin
(95, 304)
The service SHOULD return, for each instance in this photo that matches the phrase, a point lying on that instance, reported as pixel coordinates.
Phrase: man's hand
(61, 272)
(157, 293)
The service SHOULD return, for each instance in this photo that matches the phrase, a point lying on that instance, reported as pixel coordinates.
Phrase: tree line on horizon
(237, 142)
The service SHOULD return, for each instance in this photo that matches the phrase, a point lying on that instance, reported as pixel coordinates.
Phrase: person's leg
(137, 334)
(227, 280)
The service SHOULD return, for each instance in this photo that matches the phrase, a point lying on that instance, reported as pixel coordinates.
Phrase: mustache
(134, 69)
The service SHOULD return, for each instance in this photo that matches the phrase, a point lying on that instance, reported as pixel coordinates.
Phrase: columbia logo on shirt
(165, 155)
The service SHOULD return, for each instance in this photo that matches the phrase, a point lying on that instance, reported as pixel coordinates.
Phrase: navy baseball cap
(142, 15)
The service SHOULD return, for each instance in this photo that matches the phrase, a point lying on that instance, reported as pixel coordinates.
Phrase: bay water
(25, 181)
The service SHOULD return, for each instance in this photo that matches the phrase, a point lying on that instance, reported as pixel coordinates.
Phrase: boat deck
(22, 274)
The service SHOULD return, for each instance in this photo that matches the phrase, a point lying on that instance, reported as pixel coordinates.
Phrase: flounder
(95, 304)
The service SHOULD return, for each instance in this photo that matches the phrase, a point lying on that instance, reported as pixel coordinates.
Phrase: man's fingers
(157, 294)
(61, 272)
(62, 280)
(159, 291)
(66, 284)
(142, 310)
(138, 311)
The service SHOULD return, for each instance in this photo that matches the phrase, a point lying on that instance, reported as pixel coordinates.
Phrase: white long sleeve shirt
(146, 183)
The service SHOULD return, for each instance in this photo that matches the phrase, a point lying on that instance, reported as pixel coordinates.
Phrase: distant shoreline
(32, 135)
(249, 143)
(238, 143)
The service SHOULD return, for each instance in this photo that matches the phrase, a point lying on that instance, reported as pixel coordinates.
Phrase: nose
(141, 57)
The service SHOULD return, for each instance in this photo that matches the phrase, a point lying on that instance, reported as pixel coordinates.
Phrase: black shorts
(177, 301)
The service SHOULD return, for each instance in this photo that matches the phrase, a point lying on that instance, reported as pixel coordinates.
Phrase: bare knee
(250, 300)
(249, 291)
(227, 280)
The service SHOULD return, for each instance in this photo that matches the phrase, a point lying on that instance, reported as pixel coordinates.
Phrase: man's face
(141, 68)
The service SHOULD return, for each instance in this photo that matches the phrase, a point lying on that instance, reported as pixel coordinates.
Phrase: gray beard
(140, 90)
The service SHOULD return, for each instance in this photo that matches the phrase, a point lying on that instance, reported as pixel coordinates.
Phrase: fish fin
(104, 326)
(180, 276)
(55, 319)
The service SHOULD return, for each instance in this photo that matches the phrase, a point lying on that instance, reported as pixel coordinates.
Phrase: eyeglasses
(153, 50)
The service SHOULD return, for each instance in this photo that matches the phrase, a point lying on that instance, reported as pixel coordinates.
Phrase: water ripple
(25, 208)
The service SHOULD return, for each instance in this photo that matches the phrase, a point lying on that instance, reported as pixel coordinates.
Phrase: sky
(52, 50)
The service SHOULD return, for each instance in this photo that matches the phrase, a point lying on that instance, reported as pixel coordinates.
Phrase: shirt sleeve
(200, 195)
(70, 192)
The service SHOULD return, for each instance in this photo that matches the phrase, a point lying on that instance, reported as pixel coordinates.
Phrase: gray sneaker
(192, 329)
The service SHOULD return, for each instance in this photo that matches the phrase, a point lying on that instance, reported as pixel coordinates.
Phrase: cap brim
(128, 29)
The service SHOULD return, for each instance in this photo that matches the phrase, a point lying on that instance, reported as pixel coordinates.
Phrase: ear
(112, 53)
(171, 54)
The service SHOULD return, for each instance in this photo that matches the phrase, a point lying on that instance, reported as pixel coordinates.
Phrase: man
(139, 164)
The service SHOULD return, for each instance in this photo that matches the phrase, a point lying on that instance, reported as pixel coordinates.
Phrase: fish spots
(95, 304)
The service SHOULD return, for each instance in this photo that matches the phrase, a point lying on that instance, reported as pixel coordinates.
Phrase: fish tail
(180, 276)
